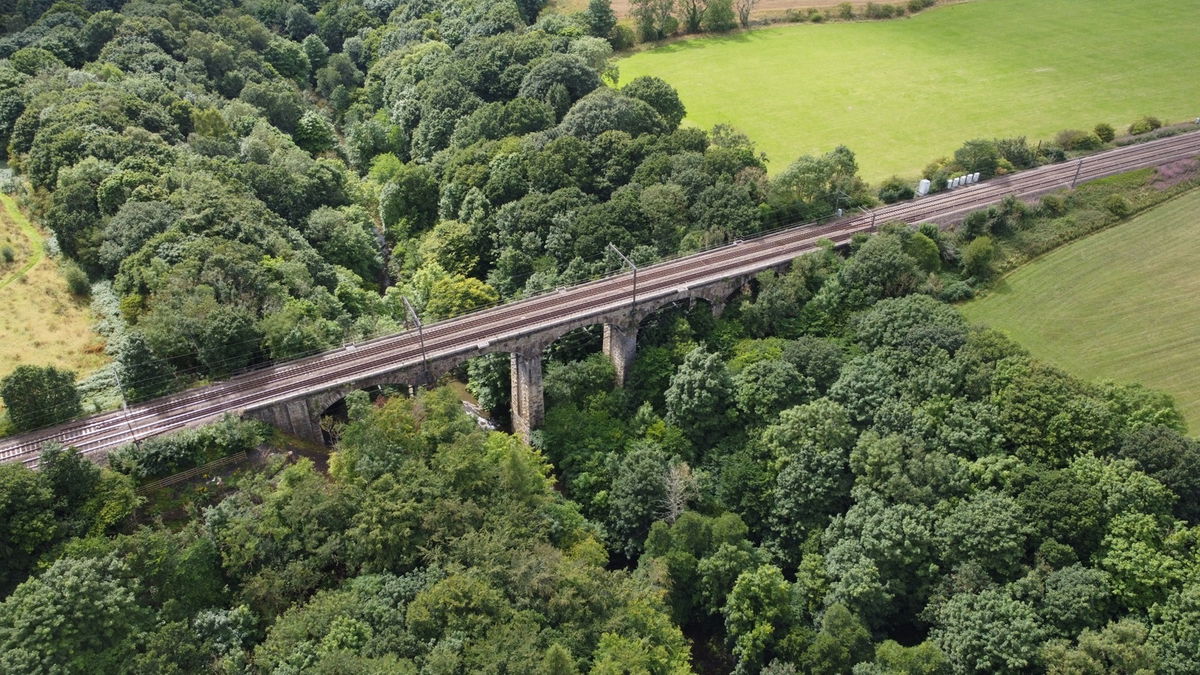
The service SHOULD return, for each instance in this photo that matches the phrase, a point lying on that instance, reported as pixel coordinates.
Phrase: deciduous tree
(39, 396)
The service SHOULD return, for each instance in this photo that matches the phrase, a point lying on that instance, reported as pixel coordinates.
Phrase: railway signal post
(635, 271)
(420, 337)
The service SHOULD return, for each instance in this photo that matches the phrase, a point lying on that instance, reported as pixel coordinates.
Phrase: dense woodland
(836, 474)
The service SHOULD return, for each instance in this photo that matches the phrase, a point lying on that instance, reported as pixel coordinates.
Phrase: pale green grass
(1123, 304)
(901, 93)
(41, 323)
(25, 242)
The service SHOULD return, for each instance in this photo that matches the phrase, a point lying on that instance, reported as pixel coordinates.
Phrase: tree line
(835, 475)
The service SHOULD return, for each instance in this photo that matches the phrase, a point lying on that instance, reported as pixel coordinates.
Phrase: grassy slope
(42, 323)
(901, 93)
(1123, 304)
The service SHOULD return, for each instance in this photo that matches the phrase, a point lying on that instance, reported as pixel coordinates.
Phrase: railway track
(281, 382)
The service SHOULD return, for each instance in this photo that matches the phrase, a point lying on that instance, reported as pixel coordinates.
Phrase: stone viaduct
(301, 416)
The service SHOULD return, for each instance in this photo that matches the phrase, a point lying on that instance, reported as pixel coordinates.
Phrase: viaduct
(294, 395)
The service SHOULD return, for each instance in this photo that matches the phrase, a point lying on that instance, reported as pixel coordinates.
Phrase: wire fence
(192, 473)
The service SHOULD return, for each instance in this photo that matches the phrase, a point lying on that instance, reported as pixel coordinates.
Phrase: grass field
(42, 323)
(903, 92)
(1123, 304)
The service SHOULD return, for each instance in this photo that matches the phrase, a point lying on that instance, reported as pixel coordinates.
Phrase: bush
(1052, 154)
(1105, 132)
(1053, 205)
(77, 280)
(7, 254)
(795, 16)
(171, 453)
(882, 11)
(845, 11)
(895, 189)
(719, 17)
(1017, 152)
(978, 223)
(957, 291)
(1118, 205)
(915, 6)
(816, 17)
(1145, 125)
(622, 37)
(1074, 139)
(978, 155)
(977, 258)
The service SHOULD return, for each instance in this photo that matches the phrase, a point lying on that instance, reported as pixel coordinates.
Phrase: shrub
(956, 291)
(1053, 205)
(895, 189)
(1145, 125)
(1118, 205)
(845, 11)
(882, 11)
(1017, 152)
(622, 37)
(1051, 154)
(7, 254)
(719, 17)
(977, 258)
(1105, 132)
(978, 223)
(171, 453)
(795, 16)
(77, 280)
(1074, 139)
(915, 6)
(978, 155)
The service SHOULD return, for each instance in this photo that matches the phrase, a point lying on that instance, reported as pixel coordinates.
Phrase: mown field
(41, 323)
(1123, 304)
(903, 92)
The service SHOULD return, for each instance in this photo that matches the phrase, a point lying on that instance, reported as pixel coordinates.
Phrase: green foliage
(408, 202)
(77, 280)
(39, 396)
(699, 396)
(923, 659)
(660, 95)
(1074, 139)
(1144, 125)
(164, 455)
(910, 475)
(458, 294)
(978, 258)
(989, 530)
(978, 156)
(719, 16)
(895, 189)
(94, 626)
(815, 187)
(1118, 206)
(28, 523)
(987, 631)
(600, 18)
(1105, 132)
(1120, 647)
(757, 616)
